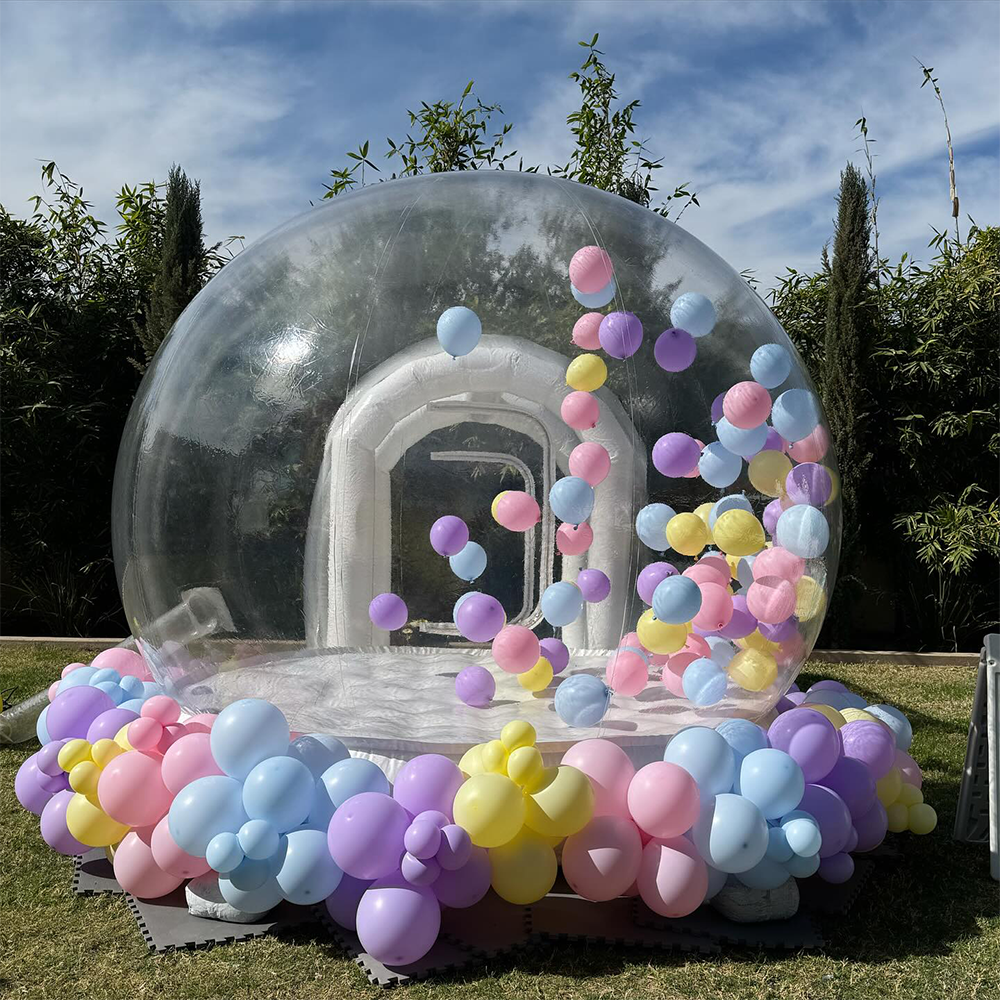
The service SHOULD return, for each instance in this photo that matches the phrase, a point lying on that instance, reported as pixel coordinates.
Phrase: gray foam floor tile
(93, 874)
(828, 898)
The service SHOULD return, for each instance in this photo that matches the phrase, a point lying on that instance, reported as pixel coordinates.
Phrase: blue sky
(753, 103)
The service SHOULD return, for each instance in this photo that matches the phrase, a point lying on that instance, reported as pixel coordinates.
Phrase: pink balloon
(673, 879)
(663, 800)
(515, 649)
(131, 790)
(777, 561)
(602, 861)
(186, 760)
(125, 661)
(170, 858)
(518, 511)
(202, 723)
(590, 461)
(69, 668)
(144, 733)
(137, 871)
(673, 672)
(695, 472)
(771, 599)
(812, 447)
(909, 769)
(792, 650)
(162, 708)
(716, 607)
(704, 574)
(580, 410)
(585, 331)
(53, 690)
(574, 541)
(746, 405)
(590, 270)
(626, 672)
(610, 772)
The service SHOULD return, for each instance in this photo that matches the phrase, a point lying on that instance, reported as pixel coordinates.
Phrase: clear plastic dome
(301, 429)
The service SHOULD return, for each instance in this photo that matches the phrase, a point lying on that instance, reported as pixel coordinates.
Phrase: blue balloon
(308, 874)
(469, 563)
(251, 874)
(693, 312)
(224, 853)
(795, 414)
(581, 700)
(204, 808)
(772, 781)
(722, 650)
(730, 833)
(744, 571)
(76, 678)
(895, 720)
(676, 600)
(739, 441)
(105, 674)
(716, 881)
(770, 365)
(112, 690)
(706, 756)
(766, 874)
(718, 467)
(133, 704)
(742, 735)
(594, 300)
(279, 790)
(318, 751)
(150, 689)
(802, 833)
(459, 330)
(735, 501)
(259, 900)
(258, 839)
(704, 682)
(572, 499)
(347, 778)
(651, 525)
(802, 867)
(803, 530)
(778, 848)
(246, 733)
(40, 731)
(561, 603)
(132, 686)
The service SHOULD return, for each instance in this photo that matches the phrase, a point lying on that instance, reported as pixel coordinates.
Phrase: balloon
(888, 787)
(779, 562)
(458, 330)
(744, 443)
(677, 599)
(716, 610)
(571, 499)
(652, 576)
(170, 858)
(602, 860)
(766, 874)
(871, 743)
(687, 533)
(260, 899)
(771, 599)
(610, 771)
(672, 879)
(704, 682)
(515, 649)
(743, 737)
(620, 334)
(590, 269)
(560, 804)
(137, 871)
(342, 903)
(561, 603)
(428, 781)
(538, 678)
(70, 667)
(365, 837)
(582, 700)
(746, 405)
(627, 672)
(29, 792)
(308, 874)
(803, 867)
(585, 331)
(574, 539)
(769, 471)
(809, 483)
(587, 372)
(247, 732)
(480, 618)
(280, 791)
(89, 824)
(594, 585)
(449, 535)
(580, 410)
(204, 808)
(738, 533)
(735, 501)
(659, 637)
(125, 661)
(718, 466)
(516, 510)
(896, 721)
(831, 813)
(795, 414)
(590, 462)
(108, 723)
(908, 768)
(469, 563)
(663, 800)
(224, 853)
(898, 817)
(837, 868)
(809, 738)
(388, 611)
(555, 651)
(131, 790)
(675, 454)
(475, 685)
(187, 760)
(812, 447)
(693, 312)
(467, 885)
(258, 839)
(397, 923)
(674, 350)
(706, 756)
(771, 514)
(770, 365)
(853, 782)
(54, 831)
(491, 808)
(772, 781)
(455, 849)
(342, 781)
(651, 527)
(753, 669)
(922, 818)
(318, 751)
(72, 711)
(730, 833)
(523, 869)
(778, 848)
(596, 299)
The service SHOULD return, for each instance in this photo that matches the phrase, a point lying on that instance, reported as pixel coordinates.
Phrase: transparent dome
(301, 429)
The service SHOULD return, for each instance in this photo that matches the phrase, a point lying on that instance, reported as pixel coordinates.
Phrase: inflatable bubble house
(487, 420)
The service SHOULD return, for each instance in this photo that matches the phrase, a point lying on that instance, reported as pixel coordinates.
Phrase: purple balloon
(854, 783)
(837, 868)
(449, 535)
(388, 611)
(47, 759)
(772, 512)
(50, 784)
(455, 849)
(742, 623)
(342, 903)
(871, 743)
(423, 836)
(675, 350)
(852, 841)
(398, 923)
(366, 833)
(832, 814)
(676, 454)
(871, 828)
(594, 585)
(29, 792)
(429, 781)
(774, 441)
(783, 704)
(419, 871)
(809, 483)
(717, 411)
(475, 685)
(467, 885)
(107, 724)
(778, 632)
(651, 577)
(480, 617)
(71, 712)
(620, 334)
(828, 686)
(810, 739)
(53, 825)
(796, 697)
(556, 652)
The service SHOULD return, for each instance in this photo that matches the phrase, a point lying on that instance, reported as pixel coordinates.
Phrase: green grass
(926, 926)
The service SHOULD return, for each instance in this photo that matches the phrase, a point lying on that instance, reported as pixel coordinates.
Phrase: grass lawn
(927, 926)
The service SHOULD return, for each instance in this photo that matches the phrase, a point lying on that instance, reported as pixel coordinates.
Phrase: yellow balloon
(756, 641)
(72, 753)
(518, 733)
(834, 485)
(524, 767)
(496, 500)
(737, 533)
(687, 534)
(857, 715)
(899, 817)
(494, 757)
(909, 795)
(538, 678)
(121, 738)
(524, 869)
(90, 824)
(828, 711)
(809, 599)
(889, 786)
(753, 669)
(703, 510)
(768, 472)
(105, 751)
(563, 803)
(660, 637)
(490, 807)
(84, 777)
(586, 373)
(734, 566)
(472, 760)
(921, 818)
